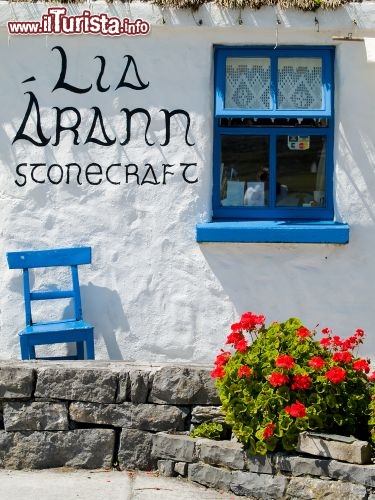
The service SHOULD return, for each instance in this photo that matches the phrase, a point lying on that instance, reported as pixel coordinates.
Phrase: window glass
(244, 169)
(299, 83)
(300, 171)
(247, 83)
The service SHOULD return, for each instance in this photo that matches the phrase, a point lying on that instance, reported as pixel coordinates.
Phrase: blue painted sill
(277, 231)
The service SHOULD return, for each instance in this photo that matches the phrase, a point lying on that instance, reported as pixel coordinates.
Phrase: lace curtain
(299, 83)
(248, 83)
(248, 80)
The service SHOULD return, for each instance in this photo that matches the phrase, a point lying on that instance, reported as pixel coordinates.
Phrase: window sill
(276, 231)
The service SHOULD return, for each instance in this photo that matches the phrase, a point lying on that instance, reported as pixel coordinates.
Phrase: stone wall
(114, 414)
(95, 414)
(226, 465)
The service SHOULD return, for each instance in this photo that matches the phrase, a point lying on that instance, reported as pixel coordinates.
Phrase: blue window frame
(273, 134)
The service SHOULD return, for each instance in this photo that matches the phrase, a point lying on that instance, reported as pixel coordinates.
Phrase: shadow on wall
(234, 271)
(102, 308)
(107, 315)
(280, 282)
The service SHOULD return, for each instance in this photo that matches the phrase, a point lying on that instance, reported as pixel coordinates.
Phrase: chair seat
(56, 327)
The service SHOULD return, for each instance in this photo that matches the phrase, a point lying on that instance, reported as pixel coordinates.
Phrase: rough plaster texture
(152, 292)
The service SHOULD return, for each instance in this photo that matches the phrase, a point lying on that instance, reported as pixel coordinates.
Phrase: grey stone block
(225, 453)
(16, 382)
(359, 474)
(123, 387)
(134, 385)
(300, 466)
(76, 384)
(181, 468)
(135, 450)
(81, 448)
(183, 385)
(307, 488)
(213, 477)
(166, 468)
(333, 446)
(262, 486)
(148, 417)
(35, 416)
(200, 414)
(262, 464)
(139, 386)
(179, 448)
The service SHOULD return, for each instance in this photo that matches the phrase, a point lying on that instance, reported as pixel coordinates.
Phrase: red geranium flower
(326, 342)
(336, 375)
(296, 409)
(241, 345)
(277, 379)
(222, 359)
(317, 362)
(359, 332)
(371, 377)
(343, 357)
(236, 327)
(326, 331)
(218, 372)
(337, 341)
(244, 371)
(234, 337)
(349, 344)
(361, 364)
(303, 332)
(249, 320)
(301, 382)
(285, 361)
(268, 431)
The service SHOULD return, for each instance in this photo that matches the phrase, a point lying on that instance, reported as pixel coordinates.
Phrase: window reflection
(244, 170)
(300, 165)
(300, 171)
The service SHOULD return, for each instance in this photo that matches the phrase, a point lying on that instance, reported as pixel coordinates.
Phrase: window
(273, 134)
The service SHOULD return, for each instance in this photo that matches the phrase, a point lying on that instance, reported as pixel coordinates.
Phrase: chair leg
(32, 352)
(80, 350)
(90, 352)
(27, 350)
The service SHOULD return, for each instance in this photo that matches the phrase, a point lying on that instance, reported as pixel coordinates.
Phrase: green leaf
(289, 442)
(261, 448)
(315, 422)
(338, 419)
(302, 423)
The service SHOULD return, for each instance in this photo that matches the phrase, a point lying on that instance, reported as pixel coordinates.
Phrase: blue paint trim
(48, 258)
(327, 54)
(273, 232)
(223, 52)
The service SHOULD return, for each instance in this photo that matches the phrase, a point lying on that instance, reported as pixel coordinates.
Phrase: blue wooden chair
(54, 332)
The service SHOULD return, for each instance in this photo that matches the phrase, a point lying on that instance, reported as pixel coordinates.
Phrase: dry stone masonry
(115, 414)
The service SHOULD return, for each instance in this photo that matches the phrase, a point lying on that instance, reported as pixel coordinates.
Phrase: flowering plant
(280, 381)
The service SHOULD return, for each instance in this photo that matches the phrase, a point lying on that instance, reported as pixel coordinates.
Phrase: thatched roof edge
(304, 5)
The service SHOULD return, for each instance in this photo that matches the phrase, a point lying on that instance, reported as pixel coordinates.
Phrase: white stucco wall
(152, 292)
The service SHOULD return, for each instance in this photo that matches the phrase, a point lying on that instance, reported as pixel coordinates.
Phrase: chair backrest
(67, 257)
